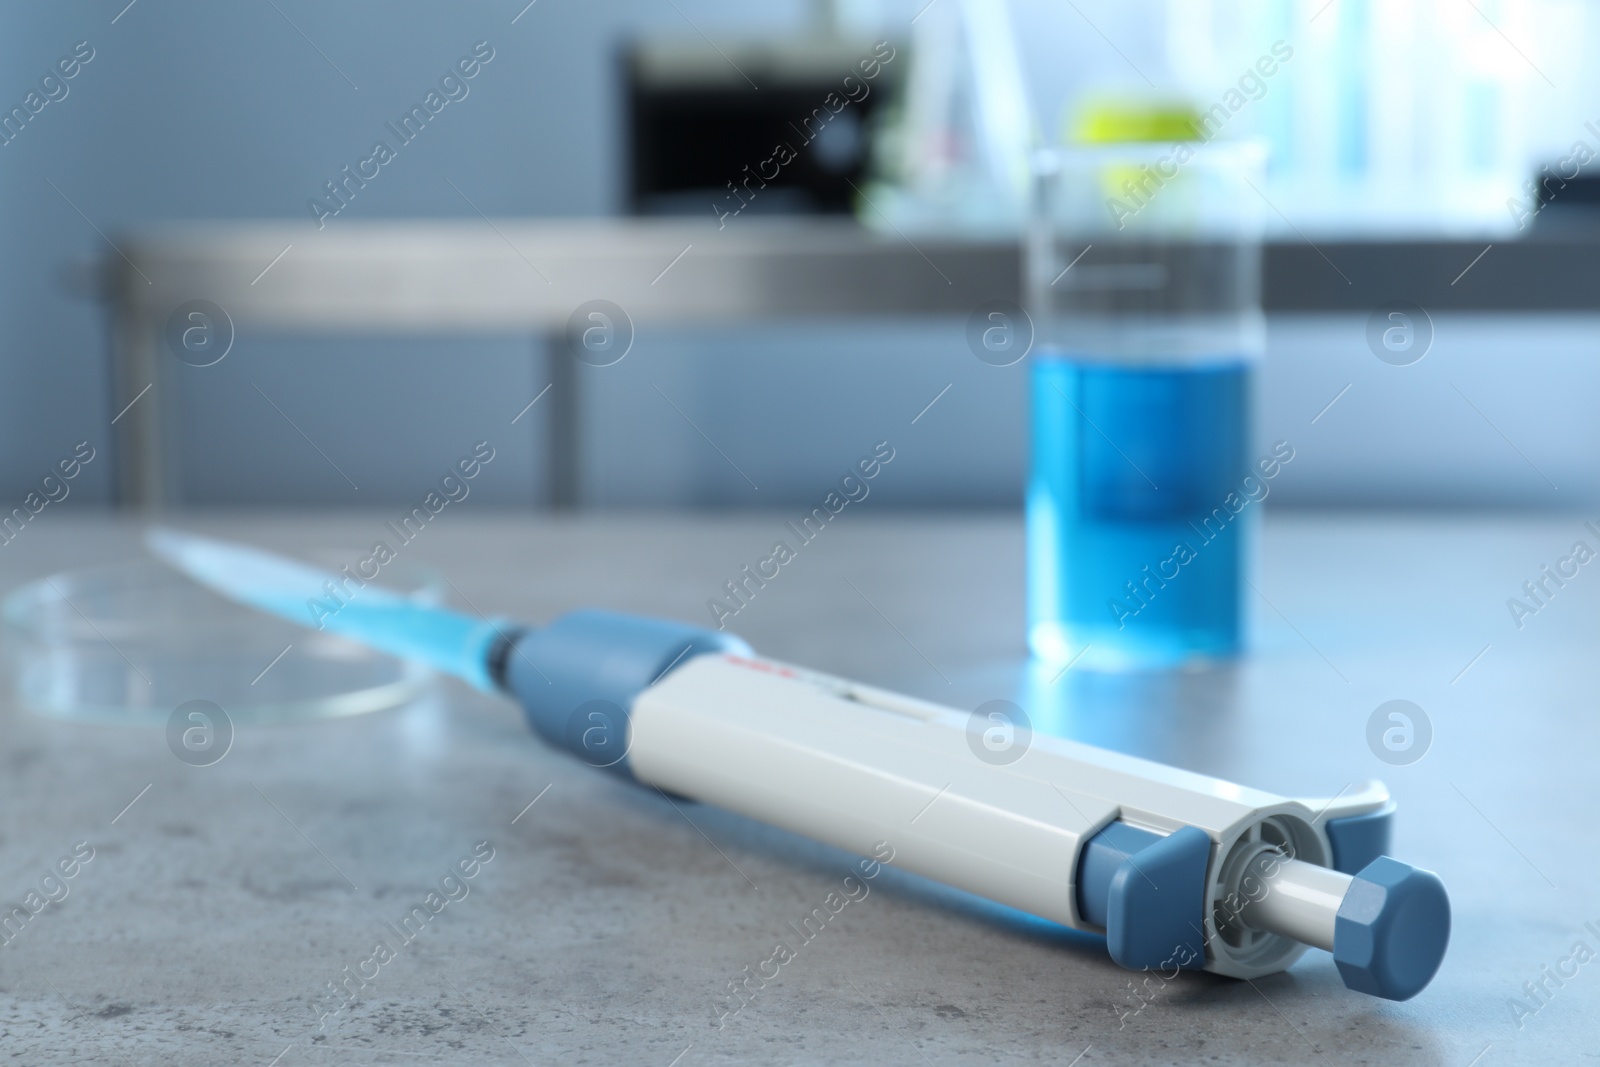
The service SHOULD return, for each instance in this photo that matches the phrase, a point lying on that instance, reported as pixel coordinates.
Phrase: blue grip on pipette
(1148, 891)
(577, 677)
(1102, 855)
(1357, 840)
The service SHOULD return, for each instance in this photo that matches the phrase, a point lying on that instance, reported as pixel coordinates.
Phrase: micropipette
(1178, 870)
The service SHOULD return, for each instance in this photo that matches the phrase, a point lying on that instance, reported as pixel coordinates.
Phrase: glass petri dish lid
(130, 641)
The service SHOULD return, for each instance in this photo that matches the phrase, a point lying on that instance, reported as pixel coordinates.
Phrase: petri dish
(129, 642)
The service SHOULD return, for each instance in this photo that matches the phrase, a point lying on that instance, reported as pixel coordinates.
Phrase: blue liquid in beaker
(1134, 553)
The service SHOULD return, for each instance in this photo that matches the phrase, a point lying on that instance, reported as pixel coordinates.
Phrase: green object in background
(1109, 122)
(1124, 122)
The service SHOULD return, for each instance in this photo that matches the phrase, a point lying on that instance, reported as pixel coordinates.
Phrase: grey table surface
(610, 921)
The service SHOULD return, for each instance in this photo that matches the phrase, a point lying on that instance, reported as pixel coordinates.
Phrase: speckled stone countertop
(609, 921)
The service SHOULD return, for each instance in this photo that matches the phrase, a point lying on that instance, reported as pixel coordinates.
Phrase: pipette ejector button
(1392, 930)
(1387, 925)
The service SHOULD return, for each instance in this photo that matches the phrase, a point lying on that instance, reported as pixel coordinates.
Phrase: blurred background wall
(198, 110)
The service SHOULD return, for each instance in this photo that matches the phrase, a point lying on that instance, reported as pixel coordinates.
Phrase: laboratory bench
(536, 278)
(603, 923)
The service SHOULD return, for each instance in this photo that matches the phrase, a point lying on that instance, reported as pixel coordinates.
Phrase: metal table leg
(564, 463)
(144, 479)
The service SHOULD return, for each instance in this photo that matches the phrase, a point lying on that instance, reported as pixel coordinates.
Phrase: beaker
(1143, 281)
